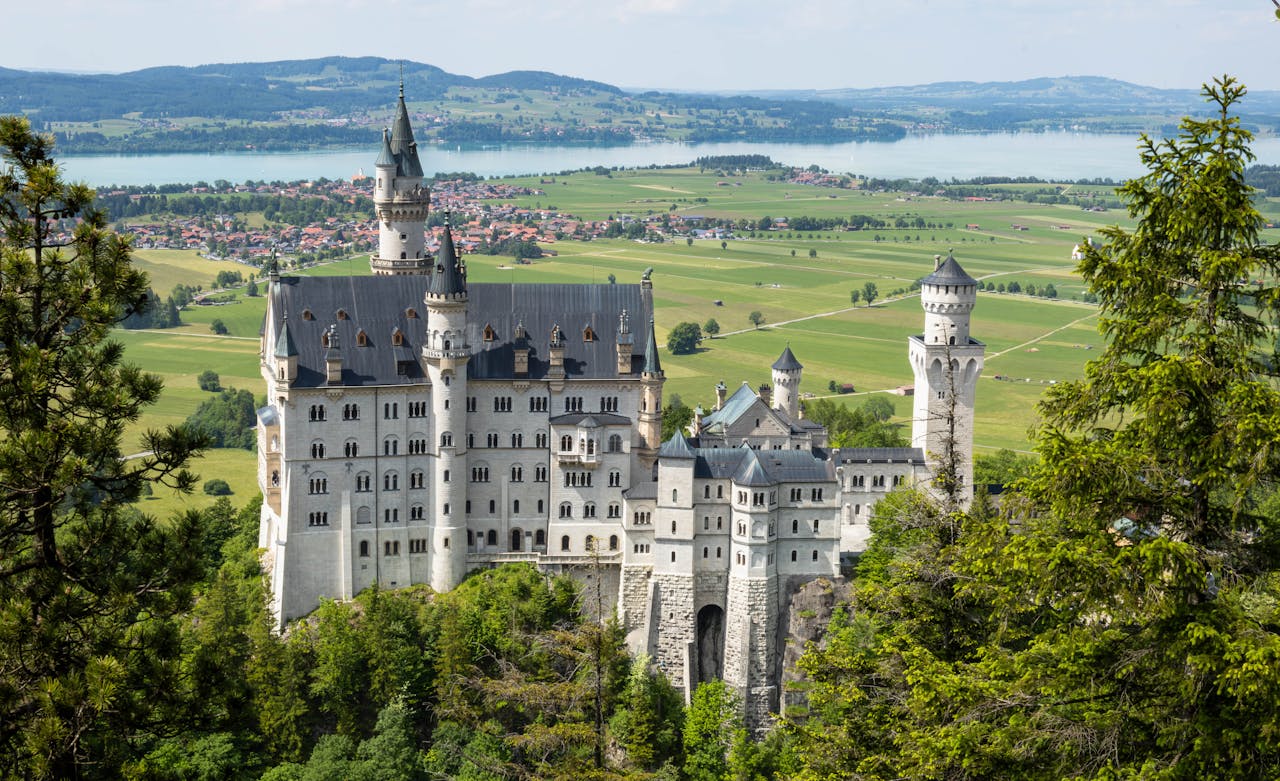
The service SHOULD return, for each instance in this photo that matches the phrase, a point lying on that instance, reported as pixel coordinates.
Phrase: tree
(217, 487)
(854, 296)
(252, 289)
(756, 318)
(88, 586)
(688, 242)
(218, 327)
(209, 381)
(710, 726)
(676, 416)
(879, 408)
(711, 327)
(813, 253)
(724, 245)
(869, 292)
(684, 338)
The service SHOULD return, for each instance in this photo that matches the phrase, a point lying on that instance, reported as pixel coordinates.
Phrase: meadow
(1031, 342)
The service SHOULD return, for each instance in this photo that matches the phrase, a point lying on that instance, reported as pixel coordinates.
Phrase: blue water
(1056, 155)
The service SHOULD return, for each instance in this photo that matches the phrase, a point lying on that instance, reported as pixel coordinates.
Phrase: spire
(787, 361)
(385, 157)
(403, 147)
(450, 278)
(651, 363)
(949, 273)
(285, 348)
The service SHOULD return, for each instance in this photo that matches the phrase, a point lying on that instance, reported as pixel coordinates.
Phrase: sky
(676, 44)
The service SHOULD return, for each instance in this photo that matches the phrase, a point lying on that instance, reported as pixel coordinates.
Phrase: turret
(401, 200)
(286, 354)
(946, 362)
(722, 390)
(445, 354)
(786, 384)
(651, 380)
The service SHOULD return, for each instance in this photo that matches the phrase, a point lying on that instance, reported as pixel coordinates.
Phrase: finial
(402, 79)
(447, 213)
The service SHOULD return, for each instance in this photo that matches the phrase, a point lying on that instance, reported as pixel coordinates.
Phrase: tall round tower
(401, 201)
(445, 352)
(786, 383)
(946, 362)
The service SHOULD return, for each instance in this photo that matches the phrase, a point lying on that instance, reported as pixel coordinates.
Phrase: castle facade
(419, 426)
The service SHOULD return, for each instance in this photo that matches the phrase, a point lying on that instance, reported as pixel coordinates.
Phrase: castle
(419, 426)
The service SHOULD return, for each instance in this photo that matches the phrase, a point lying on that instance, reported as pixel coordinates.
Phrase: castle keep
(419, 426)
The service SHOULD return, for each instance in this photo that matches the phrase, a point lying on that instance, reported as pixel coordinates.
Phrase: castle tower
(651, 380)
(445, 353)
(946, 362)
(401, 201)
(786, 384)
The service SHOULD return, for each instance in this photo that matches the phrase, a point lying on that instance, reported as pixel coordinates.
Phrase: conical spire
(285, 348)
(651, 363)
(449, 279)
(787, 361)
(385, 157)
(403, 147)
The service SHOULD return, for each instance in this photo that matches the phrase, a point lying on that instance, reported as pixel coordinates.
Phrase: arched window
(317, 449)
(564, 543)
(362, 339)
(539, 537)
(397, 338)
(489, 334)
(588, 335)
(613, 542)
(566, 443)
(566, 510)
(492, 537)
(446, 439)
(342, 314)
(364, 548)
(615, 443)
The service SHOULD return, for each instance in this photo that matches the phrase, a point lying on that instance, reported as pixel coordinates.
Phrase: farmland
(805, 300)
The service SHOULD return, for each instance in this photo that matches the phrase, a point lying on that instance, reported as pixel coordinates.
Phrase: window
(317, 412)
(446, 439)
(417, 409)
(391, 481)
(445, 476)
(795, 526)
(318, 519)
(444, 510)
(566, 510)
(318, 484)
(608, 403)
(815, 555)
(491, 440)
(540, 507)
(364, 549)
(537, 403)
(757, 499)
(539, 537)
(719, 522)
(539, 474)
(615, 510)
(391, 515)
(350, 448)
(615, 443)
(564, 543)
(418, 446)
(468, 507)
(877, 481)
(417, 546)
(397, 338)
(479, 474)
(501, 403)
(573, 404)
(705, 551)
(515, 507)
(718, 551)
(566, 443)
(517, 473)
(417, 512)
(350, 411)
(588, 335)
(362, 339)
(491, 537)
(489, 333)
(471, 404)
(815, 525)
(642, 517)
(859, 481)
(589, 510)
(793, 555)
(391, 548)
(471, 441)
(492, 507)
(797, 494)
(363, 481)
(673, 527)
(541, 438)
(517, 439)
(675, 495)
(816, 494)
(317, 450)
(391, 446)
(897, 480)
(613, 542)
(390, 410)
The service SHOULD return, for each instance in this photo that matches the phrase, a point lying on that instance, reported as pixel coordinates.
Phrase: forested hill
(253, 91)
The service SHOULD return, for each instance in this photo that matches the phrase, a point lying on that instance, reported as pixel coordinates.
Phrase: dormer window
(397, 337)
(588, 335)
(342, 314)
(324, 339)
(489, 333)
(306, 315)
(411, 313)
(362, 339)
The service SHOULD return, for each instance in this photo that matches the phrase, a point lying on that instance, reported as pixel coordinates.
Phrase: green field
(1031, 342)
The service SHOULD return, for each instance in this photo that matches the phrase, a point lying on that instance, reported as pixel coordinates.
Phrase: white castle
(419, 427)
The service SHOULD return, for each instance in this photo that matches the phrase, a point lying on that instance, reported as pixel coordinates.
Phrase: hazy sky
(676, 44)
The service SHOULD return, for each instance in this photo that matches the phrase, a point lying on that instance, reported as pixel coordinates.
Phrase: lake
(1053, 155)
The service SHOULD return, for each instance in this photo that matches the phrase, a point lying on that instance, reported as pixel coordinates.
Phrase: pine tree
(87, 584)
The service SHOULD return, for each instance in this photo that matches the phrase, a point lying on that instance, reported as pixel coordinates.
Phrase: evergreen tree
(87, 584)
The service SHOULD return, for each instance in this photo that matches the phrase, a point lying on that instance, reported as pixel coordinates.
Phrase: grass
(1031, 342)
(171, 267)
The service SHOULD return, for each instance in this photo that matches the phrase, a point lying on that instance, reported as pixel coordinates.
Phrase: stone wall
(806, 613)
(673, 621)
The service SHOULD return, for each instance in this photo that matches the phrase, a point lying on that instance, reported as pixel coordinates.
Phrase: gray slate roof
(403, 148)
(379, 305)
(879, 455)
(449, 278)
(676, 447)
(651, 363)
(762, 467)
(590, 419)
(787, 361)
(949, 273)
